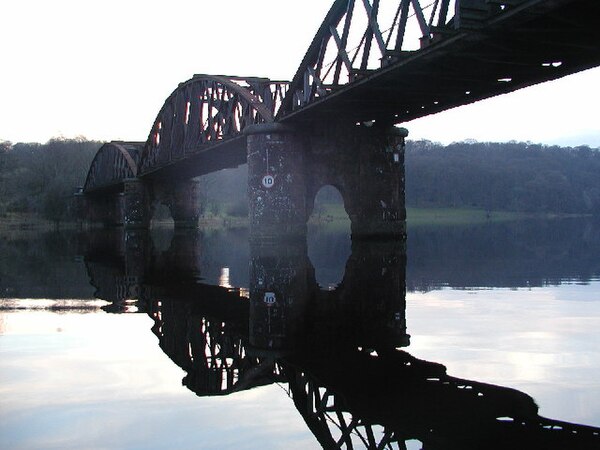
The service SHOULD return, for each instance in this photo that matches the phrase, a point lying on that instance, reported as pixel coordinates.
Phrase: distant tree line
(513, 176)
(41, 178)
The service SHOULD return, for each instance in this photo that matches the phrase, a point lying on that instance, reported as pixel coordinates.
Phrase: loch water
(463, 337)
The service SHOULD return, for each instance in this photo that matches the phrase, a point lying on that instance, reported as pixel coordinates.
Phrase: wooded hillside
(40, 178)
(512, 176)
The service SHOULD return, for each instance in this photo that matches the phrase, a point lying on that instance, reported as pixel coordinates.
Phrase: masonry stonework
(287, 167)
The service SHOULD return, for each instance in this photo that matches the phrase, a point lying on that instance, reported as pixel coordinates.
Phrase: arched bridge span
(114, 162)
(202, 120)
(202, 123)
(372, 64)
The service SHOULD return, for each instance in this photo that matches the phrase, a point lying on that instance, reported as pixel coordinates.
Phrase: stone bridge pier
(105, 209)
(134, 206)
(288, 165)
(183, 200)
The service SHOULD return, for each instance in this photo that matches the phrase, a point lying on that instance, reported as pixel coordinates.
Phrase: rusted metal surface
(208, 110)
(113, 163)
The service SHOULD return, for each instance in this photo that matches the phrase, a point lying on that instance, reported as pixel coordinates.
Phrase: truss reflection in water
(337, 353)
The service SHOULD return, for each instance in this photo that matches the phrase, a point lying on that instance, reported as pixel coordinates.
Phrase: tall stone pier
(137, 204)
(288, 165)
(366, 164)
(134, 206)
(276, 181)
(183, 200)
(105, 209)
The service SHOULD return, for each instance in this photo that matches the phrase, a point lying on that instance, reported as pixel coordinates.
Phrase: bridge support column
(276, 182)
(136, 207)
(107, 209)
(377, 208)
(367, 165)
(183, 200)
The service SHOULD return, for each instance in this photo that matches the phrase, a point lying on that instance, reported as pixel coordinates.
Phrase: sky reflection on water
(543, 341)
(103, 382)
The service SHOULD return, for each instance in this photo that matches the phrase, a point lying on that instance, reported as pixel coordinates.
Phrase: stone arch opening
(161, 215)
(328, 207)
(329, 243)
(176, 202)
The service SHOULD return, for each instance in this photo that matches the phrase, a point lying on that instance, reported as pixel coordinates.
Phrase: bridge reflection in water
(337, 353)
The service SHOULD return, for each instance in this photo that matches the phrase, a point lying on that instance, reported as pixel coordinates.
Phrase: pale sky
(102, 69)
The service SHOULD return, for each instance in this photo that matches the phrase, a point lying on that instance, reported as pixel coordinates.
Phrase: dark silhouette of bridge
(371, 65)
(336, 353)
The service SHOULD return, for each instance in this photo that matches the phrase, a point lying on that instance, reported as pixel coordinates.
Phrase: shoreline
(329, 216)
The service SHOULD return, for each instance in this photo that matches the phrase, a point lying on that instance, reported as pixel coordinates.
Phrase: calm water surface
(201, 340)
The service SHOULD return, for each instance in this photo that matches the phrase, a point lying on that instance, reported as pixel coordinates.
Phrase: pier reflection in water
(338, 353)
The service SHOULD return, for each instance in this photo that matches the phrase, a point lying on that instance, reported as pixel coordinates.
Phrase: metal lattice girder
(206, 111)
(358, 36)
(113, 163)
(397, 60)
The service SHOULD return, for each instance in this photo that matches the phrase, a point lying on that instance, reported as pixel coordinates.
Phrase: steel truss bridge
(379, 62)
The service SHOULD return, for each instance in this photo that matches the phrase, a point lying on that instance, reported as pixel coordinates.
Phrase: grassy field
(457, 216)
(328, 213)
(334, 214)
